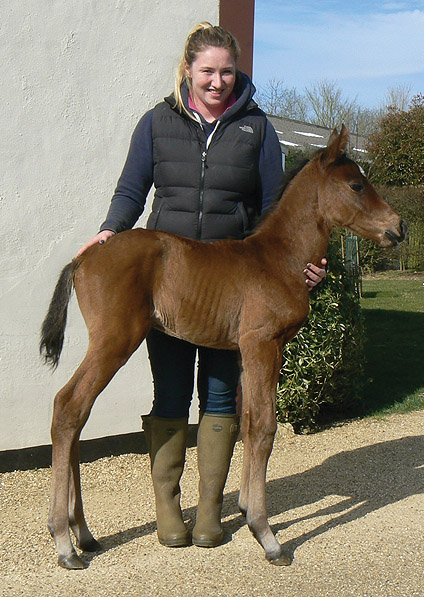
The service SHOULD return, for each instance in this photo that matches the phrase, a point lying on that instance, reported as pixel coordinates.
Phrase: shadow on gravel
(366, 479)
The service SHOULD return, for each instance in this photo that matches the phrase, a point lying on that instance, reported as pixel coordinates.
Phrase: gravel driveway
(348, 500)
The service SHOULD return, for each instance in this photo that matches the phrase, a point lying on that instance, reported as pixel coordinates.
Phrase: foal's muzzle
(397, 238)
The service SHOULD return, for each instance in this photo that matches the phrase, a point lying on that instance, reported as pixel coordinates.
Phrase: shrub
(296, 156)
(323, 364)
(397, 147)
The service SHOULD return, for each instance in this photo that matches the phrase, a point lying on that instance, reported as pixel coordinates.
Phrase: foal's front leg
(261, 364)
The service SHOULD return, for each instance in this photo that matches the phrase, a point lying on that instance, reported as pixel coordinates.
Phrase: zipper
(203, 167)
(201, 193)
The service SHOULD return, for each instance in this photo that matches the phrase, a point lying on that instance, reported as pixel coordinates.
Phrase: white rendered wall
(76, 77)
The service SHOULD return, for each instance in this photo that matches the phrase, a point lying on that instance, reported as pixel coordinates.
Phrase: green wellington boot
(216, 437)
(166, 441)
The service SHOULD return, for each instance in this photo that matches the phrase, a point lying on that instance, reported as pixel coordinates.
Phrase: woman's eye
(357, 187)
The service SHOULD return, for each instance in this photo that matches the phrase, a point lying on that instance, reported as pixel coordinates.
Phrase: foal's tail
(53, 328)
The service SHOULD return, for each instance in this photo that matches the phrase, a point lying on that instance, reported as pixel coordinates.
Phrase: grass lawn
(393, 306)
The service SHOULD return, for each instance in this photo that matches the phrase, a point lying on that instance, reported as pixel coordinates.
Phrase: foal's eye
(357, 187)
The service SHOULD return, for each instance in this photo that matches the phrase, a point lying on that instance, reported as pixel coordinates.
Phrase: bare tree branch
(278, 100)
(328, 106)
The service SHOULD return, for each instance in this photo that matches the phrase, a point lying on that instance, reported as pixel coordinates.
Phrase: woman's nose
(217, 80)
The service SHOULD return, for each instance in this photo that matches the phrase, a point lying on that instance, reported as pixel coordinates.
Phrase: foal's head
(346, 198)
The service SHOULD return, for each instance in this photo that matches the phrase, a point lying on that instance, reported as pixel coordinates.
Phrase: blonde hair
(200, 37)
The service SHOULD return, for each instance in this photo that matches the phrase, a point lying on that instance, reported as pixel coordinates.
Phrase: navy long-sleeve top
(136, 179)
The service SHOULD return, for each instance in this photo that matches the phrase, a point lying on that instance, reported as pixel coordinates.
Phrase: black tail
(53, 328)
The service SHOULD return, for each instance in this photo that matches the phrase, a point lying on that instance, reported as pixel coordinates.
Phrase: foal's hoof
(284, 559)
(91, 545)
(72, 562)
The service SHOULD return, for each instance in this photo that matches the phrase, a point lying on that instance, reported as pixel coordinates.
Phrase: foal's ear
(336, 146)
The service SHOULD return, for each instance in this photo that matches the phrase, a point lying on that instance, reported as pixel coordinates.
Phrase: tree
(322, 104)
(328, 107)
(366, 122)
(397, 147)
(325, 105)
(368, 119)
(398, 98)
(278, 100)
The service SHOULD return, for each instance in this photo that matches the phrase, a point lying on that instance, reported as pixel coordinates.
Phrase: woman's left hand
(315, 274)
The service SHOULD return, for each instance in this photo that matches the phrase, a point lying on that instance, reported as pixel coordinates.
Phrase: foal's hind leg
(261, 364)
(84, 538)
(71, 410)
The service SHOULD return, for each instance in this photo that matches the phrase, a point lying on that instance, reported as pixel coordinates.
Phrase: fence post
(351, 260)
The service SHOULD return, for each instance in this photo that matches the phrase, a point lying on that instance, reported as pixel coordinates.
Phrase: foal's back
(206, 293)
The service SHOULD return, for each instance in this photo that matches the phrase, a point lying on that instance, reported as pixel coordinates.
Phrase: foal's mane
(291, 173)
(298, 165)
(288, 176)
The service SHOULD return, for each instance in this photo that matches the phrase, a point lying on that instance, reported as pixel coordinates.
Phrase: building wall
(76, 77)
(238, 17)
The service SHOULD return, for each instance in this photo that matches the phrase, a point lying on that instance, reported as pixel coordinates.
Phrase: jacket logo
(246, 128)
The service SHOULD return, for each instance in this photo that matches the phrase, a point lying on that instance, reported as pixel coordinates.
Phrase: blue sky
(365, 47)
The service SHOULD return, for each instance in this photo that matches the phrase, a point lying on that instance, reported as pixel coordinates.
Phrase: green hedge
(323, 364)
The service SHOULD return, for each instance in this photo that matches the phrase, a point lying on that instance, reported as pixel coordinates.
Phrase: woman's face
(213, 75)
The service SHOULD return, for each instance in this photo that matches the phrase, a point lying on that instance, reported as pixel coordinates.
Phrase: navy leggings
(172, 362)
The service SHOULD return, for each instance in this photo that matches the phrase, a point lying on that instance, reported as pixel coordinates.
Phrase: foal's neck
(295, 229)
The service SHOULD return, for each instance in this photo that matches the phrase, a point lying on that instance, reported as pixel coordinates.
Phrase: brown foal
(246, 295)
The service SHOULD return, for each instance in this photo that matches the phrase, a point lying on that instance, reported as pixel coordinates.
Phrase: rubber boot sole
(208, 541)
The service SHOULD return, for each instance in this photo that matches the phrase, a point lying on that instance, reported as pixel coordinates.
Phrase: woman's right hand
(101, 238)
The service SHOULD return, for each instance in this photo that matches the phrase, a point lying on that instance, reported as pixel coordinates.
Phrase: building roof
(295, 134)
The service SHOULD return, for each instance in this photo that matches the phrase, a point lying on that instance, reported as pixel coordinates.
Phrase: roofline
(318, 126)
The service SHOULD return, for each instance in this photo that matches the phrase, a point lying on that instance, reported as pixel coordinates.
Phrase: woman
(215, 162)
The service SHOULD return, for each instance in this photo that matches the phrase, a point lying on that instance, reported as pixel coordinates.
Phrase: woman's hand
(101, 238)
(315, 274)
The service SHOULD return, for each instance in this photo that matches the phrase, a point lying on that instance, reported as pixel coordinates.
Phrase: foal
(247, 295)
